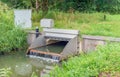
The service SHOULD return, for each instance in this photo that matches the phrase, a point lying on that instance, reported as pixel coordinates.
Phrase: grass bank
(11, 37)
(103, 62)
(87, 23)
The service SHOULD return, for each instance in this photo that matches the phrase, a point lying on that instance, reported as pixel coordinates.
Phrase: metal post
(37, 32)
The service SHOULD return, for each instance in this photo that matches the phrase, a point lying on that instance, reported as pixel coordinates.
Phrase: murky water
(56, 47)
(21, 65)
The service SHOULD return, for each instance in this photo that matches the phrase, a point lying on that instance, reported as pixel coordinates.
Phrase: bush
(112, 6)
(105, 59)
(11, 37)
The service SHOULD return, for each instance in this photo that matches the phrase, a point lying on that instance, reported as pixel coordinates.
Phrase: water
(56, 47)
(21, 65)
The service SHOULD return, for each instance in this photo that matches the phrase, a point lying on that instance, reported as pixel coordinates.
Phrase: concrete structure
(90, 43)
(55, 36)
(47, 23)
(31, 36)
(68, 39)
(22, 18)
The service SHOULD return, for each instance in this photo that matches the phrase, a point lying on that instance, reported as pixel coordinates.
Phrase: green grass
(93, 24)
(105, 59)
(11, 37)
(87, 23)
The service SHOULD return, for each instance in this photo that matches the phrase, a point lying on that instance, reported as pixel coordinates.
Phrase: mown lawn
(87, 23)
(93, 24)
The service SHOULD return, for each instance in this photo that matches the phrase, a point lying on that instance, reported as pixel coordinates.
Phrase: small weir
(50, 51)
(54, 44)
(49, 48)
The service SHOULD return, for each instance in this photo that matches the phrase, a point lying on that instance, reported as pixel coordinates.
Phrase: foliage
(18, 3)
(104, 60)
(5, 72)
(11, 37)
(112, 6)
(3, 7)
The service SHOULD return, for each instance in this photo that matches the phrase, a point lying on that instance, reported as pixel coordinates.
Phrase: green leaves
(112, 6)
(11, 37)
(5, 72)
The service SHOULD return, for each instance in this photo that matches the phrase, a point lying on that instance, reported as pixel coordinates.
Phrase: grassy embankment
(104, 62)
(11, 37)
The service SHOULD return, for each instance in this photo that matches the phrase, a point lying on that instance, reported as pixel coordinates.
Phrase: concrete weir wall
(89, 43)
(31, 36)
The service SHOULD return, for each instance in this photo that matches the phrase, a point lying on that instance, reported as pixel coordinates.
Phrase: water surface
(55, 47)
(21, 65)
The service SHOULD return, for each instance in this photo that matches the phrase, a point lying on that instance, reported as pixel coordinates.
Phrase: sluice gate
(55, 44)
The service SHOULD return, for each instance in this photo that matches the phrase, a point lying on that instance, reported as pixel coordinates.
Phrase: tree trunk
(37, 5)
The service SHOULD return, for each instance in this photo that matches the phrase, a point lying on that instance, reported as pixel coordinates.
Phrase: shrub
(11, 37)
(112, 6)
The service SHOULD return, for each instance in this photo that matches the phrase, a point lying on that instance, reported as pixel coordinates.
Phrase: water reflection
(37, 63)
(23, 69)
(21, 65)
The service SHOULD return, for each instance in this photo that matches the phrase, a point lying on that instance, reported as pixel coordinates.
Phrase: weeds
(11, 37)
(104, 60)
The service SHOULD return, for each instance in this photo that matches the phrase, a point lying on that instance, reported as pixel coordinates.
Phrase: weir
(54, 44)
